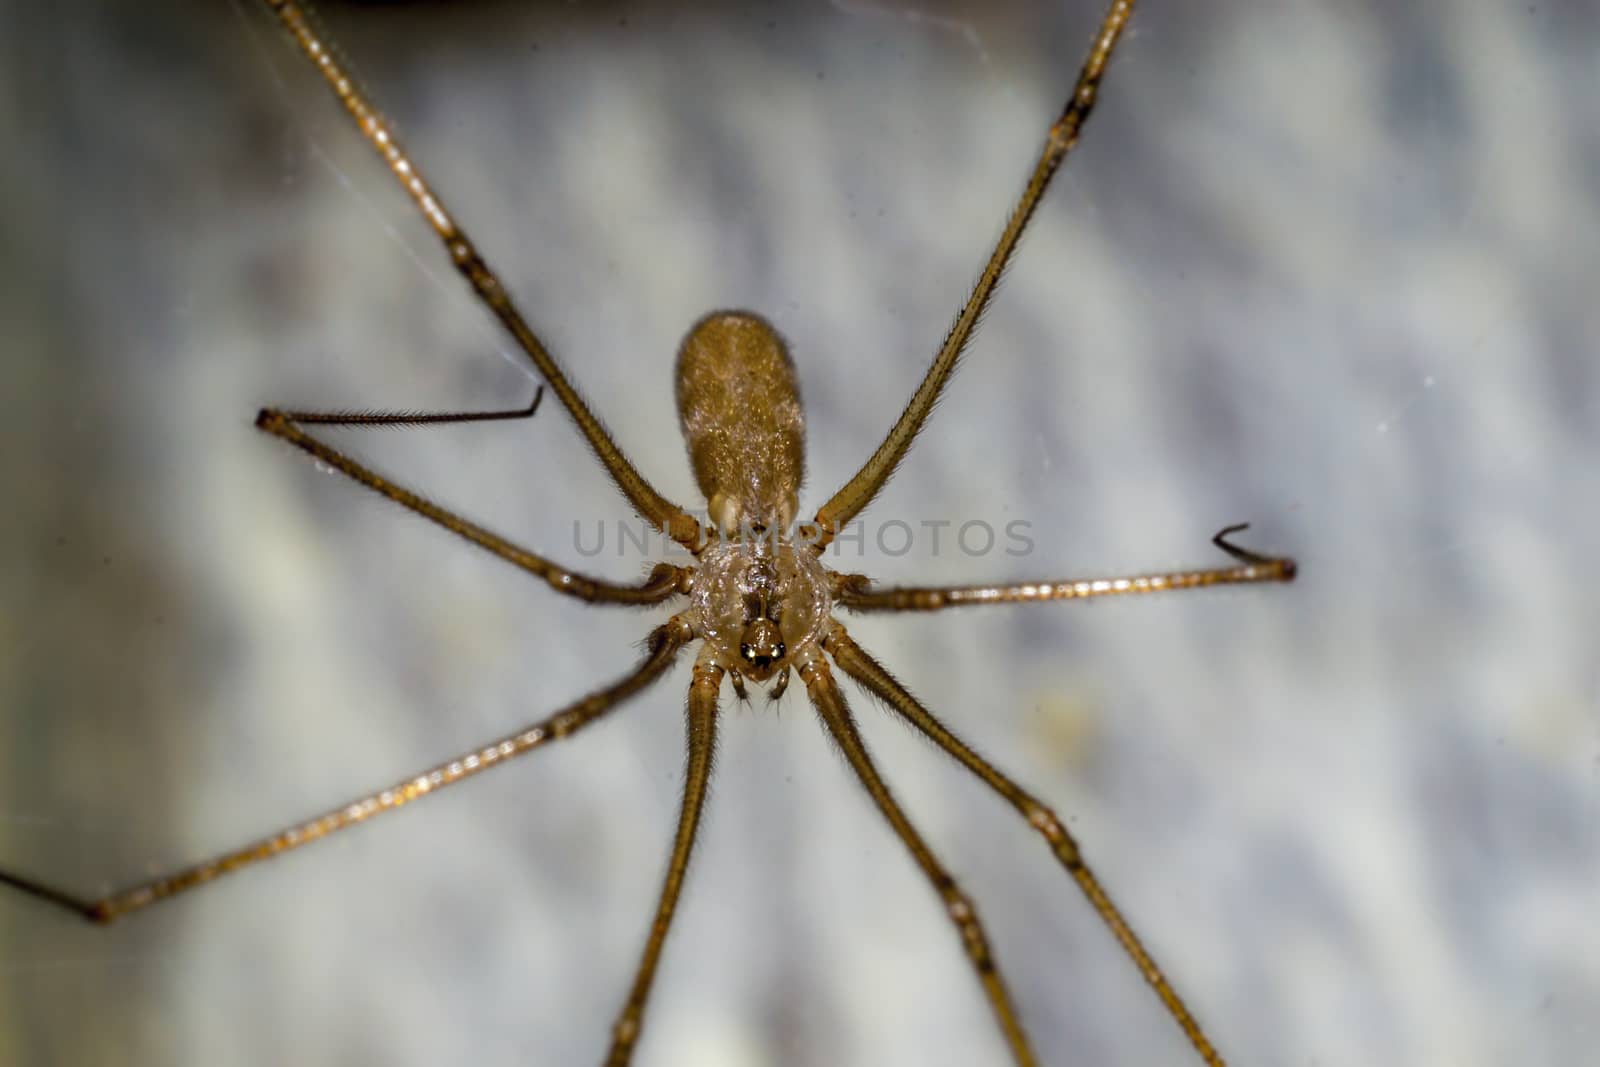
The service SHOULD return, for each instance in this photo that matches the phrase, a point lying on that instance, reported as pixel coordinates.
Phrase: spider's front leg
(835, 714)
(701, 714)
(875, 679)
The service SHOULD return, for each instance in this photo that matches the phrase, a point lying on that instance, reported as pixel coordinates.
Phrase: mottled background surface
(1329, 268)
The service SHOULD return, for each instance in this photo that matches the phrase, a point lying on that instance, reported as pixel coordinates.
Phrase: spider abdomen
(740, 412)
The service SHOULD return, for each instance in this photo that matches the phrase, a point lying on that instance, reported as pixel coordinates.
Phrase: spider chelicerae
(757, 603)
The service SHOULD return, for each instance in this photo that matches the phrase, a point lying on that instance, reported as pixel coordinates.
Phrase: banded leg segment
(873, 677)
(702, 740)
(855, 591)
(858, 492)
(664, 581)
(664, 643)
(656, 509)
(835, 715)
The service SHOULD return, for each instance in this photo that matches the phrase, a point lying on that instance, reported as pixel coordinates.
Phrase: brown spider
(760, 600)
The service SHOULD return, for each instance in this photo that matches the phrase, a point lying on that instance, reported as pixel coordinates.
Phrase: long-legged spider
(760, 599)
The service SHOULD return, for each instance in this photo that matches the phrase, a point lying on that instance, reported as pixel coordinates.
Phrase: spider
(760, 602)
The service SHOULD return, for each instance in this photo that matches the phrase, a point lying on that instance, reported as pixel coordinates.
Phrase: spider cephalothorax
(760, 606)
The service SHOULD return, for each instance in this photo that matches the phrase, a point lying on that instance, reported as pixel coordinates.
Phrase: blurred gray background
(1326, 267)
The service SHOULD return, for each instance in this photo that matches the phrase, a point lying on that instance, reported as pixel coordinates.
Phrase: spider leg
(410, 418)
(663, 582)
(664, 643)
(656, 509)
(1244, 555)
(835, 715)
(858, 492)
(873, 677)
(702, 740)
(854, 591)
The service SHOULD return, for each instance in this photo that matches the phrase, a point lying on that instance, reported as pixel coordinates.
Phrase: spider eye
(782, 648)
(745, 651)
